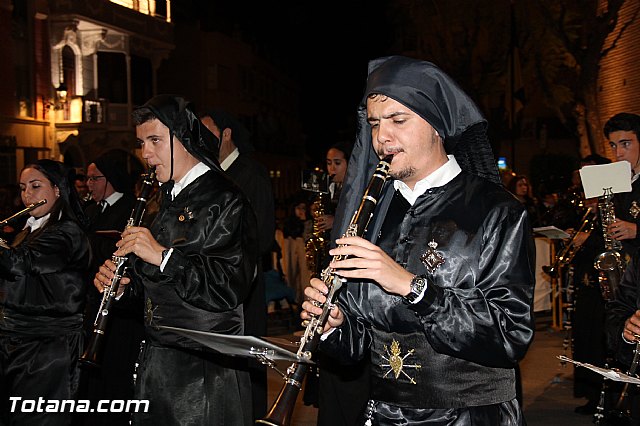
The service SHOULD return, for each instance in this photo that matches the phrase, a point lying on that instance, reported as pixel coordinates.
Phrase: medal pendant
(432, 259)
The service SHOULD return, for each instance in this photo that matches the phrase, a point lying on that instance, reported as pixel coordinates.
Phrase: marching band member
(440, 295)
(42, 295)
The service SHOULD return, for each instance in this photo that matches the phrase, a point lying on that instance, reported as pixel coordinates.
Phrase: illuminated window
(157, 8)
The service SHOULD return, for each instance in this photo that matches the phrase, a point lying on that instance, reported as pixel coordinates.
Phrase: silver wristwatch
(418, 284)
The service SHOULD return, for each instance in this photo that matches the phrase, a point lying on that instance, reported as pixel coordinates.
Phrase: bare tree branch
(624, 27)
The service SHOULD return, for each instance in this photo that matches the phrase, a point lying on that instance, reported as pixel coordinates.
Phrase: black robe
(42, 295)
(211, 228)
(458, 345)
(253, 180)
(114, 378)
(588, 322)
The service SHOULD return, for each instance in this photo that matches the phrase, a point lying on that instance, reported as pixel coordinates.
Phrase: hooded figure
(116, 199)
(177, 114)
(235, 156)
(433, 95)
(241, 135)
(120, 168)
(447, 285)
(63, 177)
(42, 288)
(193, 267)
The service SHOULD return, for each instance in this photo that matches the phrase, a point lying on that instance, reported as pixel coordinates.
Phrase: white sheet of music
(596, 179)
(609, 373)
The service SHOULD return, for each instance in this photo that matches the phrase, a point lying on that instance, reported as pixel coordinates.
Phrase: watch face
(418, 284)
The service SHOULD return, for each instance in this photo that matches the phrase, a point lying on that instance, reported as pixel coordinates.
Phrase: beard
(403, 174)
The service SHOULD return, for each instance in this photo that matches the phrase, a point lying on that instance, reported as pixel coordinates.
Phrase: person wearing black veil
(111, 177)
(42, 294)
(439, 293)
(193, 266)
(239, 164)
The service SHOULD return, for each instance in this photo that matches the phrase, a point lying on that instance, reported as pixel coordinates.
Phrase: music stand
(242, 346)
(608, 373)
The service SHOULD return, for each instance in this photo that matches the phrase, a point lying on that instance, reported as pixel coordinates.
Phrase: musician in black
(112, 189)
(440, 292)
(237, 161)
(194, 267)
(623, 312)
(43, 279)
(589, 334)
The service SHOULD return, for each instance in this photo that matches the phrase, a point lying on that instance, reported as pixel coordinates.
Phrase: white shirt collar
(35, 223)
(111, 199)
(193, 174)
(230, 159)
(443, 175)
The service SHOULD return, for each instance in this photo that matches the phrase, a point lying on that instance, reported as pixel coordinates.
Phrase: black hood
(434, 96)
(114, 165)
(63, 177)
(239, 133)
(427, 91)
(177, 114)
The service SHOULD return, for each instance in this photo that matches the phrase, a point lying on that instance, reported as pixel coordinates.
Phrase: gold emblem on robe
(396, 361)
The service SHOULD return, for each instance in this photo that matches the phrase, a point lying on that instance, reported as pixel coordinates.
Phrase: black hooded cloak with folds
(42, 290)
(474, 322)
(211, 228)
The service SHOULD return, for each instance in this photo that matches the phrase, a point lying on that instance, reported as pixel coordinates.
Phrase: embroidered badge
(396, 361)
(634, 210)
(432, 259)
(186, 214)
(149, 311)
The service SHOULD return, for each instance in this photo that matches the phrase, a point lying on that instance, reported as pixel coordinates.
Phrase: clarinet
(282, 409)
(91, 355)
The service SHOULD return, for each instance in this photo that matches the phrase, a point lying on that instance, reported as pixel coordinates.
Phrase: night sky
(324, 46)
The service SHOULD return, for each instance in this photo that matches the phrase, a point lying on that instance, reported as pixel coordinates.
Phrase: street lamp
(62, 91)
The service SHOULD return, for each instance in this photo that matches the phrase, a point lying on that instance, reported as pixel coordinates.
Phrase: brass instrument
(15, 216)
(282, 409)
(570, 248)
(609, 263)
(317, 246)
(91, 355)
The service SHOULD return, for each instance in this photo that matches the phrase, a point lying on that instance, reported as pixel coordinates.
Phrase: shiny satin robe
(627, 208)
(448, 359)
(114, 379)
(211, 228)
(42, 293)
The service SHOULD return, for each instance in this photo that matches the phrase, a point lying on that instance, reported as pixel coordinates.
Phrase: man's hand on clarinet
(139, 241)
(368, 261)
(631, 330)
(315, 297)
(105, 274)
